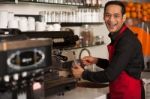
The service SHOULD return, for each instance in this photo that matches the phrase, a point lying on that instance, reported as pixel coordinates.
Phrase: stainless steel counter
(83, 93)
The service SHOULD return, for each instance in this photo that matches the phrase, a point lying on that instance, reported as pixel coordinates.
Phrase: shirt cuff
(85, 74)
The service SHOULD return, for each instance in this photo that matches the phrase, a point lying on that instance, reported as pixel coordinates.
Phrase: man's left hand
(77, 71)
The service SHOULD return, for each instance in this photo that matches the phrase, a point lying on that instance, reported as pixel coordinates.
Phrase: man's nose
(111, 18)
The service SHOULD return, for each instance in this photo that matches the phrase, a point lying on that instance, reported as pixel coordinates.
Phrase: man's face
(113, 18)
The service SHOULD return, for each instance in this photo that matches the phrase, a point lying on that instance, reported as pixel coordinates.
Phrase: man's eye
(107, 15)
(116, 16)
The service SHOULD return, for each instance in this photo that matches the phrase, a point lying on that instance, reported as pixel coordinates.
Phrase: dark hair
(119, 3)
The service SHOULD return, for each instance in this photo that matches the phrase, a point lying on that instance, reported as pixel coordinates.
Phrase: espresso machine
(60, 79)
(31, 63)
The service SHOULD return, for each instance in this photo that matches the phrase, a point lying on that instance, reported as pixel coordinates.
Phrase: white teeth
(112, 25)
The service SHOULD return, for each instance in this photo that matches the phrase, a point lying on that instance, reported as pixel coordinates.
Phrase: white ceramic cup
(10, 16)
(3, 19)
(57, 27)
(50, 28)
(13, 24)
(31, 24)
(23, 24)
(40, 26)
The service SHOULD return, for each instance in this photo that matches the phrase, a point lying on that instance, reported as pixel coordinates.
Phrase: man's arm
(102, 63)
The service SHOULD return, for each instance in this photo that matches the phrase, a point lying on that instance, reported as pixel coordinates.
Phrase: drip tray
(92, 84)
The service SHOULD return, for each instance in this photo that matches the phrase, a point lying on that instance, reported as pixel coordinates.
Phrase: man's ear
(124, 17)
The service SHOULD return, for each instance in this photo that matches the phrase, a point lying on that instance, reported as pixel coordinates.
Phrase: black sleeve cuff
(98, 77)
(85, 74)
(103, 63)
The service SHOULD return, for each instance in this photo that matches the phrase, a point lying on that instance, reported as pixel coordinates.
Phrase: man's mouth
(112, 26)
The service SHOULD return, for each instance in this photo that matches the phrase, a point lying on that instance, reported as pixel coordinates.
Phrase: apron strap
(111, 47)
(120, 34)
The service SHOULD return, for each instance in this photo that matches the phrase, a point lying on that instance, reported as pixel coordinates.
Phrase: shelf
(34, 2)
(76, 23)
(47, 34)
(7, 1)
(60, 4)
(38, 17)
(146, 70)
(91, 7)
(84, 46)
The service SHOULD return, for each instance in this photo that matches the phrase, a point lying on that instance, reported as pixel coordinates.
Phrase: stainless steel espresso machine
(30, 64)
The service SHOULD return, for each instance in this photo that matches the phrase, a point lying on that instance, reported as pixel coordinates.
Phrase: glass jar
(86, 34)
(98, 40)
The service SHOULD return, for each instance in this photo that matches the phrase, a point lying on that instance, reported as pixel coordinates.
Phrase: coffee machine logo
(25, 59)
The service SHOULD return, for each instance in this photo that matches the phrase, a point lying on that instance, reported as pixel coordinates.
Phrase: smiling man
(114, 17)
(123, 68)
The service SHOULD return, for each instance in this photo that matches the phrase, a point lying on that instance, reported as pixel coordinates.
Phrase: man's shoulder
(129, 37)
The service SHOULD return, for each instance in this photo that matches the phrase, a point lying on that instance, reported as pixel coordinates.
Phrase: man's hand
(89, 60)
(77, 71)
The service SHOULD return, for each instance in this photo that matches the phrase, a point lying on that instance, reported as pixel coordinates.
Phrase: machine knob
(6, 78)
(16, 76)
(24, 74)
(50, 70)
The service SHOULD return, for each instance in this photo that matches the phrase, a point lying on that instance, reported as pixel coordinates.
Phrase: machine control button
(16, 76)
(24, 74)
(6, 78)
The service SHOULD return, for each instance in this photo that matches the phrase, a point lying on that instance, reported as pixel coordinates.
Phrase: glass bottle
(87, 35)
(88, 2)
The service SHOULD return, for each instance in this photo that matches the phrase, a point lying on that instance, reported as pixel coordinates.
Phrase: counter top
(83, 93)
(146, 74)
